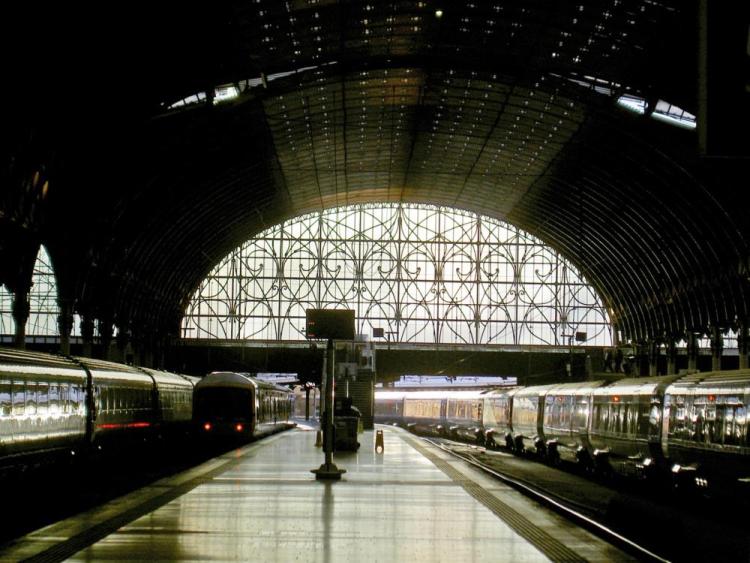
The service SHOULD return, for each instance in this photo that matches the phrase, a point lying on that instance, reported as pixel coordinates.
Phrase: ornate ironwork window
(7, 325)
(43, 309)
(43, 298)
(424, 274)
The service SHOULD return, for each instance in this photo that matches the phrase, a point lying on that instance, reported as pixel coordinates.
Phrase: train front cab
(225, 406)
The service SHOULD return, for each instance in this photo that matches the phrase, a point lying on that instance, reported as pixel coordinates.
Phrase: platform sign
(333, 324)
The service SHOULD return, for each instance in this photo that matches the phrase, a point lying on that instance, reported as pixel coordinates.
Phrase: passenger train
(236, 405)
(53, 406)
(693, 429)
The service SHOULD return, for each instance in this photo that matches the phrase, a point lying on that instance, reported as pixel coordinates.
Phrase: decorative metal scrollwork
(425, 274)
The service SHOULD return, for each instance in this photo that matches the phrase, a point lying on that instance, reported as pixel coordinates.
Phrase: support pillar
(717, 347)
(743, 343)
(21, 310)
(87, 335)
(653, 357)
(106, 331)
(65, 325)
(122, 339)
(671, 349)
(692, 351)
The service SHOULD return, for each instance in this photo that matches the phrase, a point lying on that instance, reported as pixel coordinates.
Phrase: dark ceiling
(506, 108)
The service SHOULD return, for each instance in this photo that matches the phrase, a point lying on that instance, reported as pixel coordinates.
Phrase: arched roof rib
(486, 109)
(314, 176)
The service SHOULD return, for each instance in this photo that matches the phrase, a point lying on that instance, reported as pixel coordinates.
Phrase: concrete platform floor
(411, 503)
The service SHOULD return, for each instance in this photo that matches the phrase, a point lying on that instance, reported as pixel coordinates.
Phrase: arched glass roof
(424, 274)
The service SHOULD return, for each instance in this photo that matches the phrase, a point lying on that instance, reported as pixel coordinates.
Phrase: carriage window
(31, 401)
(598, 417)
(654, 420)
(643, 420)
(627, 425)
(19, 398)
(42, 399)
(581, 414)
(5, 399)
(731, 428)
(54, 399)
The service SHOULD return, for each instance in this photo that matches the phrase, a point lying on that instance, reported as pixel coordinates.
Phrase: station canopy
(144, 145)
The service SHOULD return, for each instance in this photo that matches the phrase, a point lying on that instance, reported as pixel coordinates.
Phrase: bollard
(319, 439)
(379, 445)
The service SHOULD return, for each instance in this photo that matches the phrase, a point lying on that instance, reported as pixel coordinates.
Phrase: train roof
(577, 388)
(226, 379)
(23, 362)
(101, 369)
(636, 385)
(168, 378)
(433, 394)
(727, 377)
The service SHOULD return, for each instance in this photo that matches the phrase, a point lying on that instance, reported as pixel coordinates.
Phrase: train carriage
(124, 399)
(496, 418)
(526, 418)
(565, 421)
(174, 401)
(389, 407)
(625, 425)
(424, 412)
(42, 405)
(463, 415)
(705, 429)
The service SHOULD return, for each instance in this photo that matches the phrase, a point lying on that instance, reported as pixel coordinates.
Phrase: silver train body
(52, 404)
(693, 429)
(236, 405)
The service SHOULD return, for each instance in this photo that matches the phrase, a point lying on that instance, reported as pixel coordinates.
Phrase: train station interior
(529, 193)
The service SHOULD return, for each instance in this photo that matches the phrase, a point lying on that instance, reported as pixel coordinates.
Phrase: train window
(580, 417)
(5, 399)
(54, 399)
(19, 398)
(42, 399)
(627, 426)
(643, 420)
(732, 430)
(31, 393)
(597, 419)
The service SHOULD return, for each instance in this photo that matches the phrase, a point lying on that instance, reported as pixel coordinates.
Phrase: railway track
(650, 526)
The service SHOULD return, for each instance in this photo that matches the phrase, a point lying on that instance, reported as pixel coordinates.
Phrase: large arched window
(424, 274)
(7, 324)
(43, 308)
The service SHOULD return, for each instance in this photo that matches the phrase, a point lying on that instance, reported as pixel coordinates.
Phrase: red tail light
(207, 426)
(239, 428)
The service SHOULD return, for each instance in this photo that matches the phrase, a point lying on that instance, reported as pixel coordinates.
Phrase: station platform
(413, 502)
